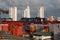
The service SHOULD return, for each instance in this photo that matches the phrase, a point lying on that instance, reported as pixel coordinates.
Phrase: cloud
(2, 4)
(21, 4)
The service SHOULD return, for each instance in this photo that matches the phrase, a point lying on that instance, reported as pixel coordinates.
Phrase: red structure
(16, 27)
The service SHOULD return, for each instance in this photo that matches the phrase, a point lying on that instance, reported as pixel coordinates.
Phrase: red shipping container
(14, 31)
(10, 26)
(5, 28)
(11, 32)
(19, 31)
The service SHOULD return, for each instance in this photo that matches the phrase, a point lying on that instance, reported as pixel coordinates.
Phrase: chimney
(41, 12)
(27, 12)
(13, 13)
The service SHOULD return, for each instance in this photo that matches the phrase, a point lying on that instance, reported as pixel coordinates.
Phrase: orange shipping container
(32, 28)
(46, 29)
(5, 28)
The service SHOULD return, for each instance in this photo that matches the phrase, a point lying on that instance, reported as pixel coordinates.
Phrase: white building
(27, 12)
(13, 13)
(50, 18)
(58, 18)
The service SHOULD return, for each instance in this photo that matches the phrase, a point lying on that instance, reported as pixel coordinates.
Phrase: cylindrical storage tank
(5, 27)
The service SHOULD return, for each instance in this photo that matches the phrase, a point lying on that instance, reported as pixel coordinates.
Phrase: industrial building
(38, 28)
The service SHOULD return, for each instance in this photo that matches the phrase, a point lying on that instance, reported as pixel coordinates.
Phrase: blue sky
(52, 7)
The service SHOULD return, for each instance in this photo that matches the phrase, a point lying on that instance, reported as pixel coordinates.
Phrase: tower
(41, 12)
(13, 13)
(27, 12)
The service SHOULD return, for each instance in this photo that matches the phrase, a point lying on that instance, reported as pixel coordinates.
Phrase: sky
(52, 7)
